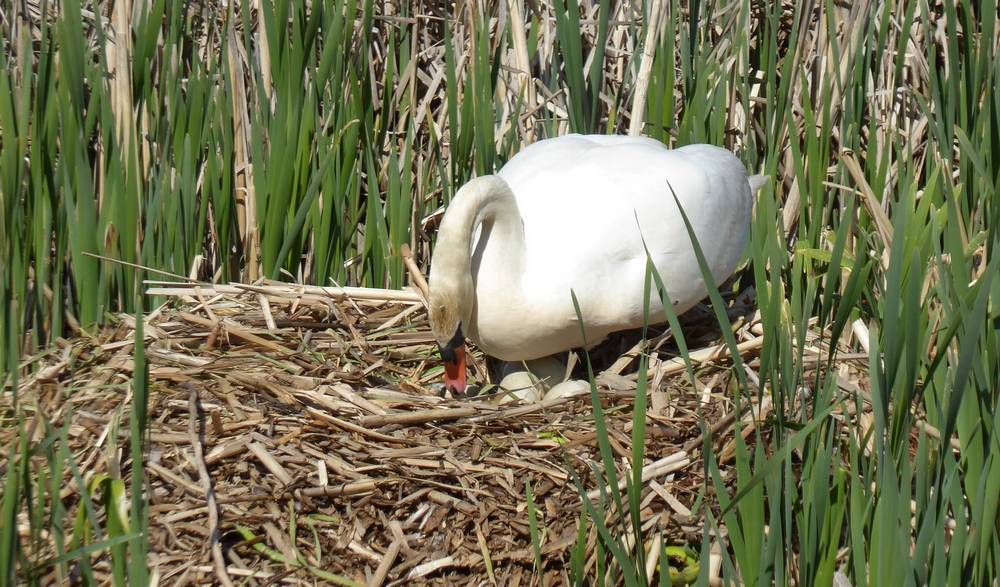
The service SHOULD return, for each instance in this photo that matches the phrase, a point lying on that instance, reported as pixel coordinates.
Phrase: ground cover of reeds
(828, 415)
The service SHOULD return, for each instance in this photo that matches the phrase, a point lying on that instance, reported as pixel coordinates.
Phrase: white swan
(571, 213)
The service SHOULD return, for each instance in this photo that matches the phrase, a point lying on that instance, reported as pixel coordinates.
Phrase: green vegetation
(309, 140)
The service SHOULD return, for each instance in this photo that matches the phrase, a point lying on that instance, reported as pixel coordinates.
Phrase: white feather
(588, 203)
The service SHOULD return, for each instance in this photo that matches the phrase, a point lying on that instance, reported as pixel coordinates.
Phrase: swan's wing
(544, 156)
(589, 203)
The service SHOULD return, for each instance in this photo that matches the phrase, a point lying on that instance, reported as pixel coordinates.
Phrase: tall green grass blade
(604, 445)
(536, 538)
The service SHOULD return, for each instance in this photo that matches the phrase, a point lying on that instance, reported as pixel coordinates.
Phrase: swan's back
(584, 199)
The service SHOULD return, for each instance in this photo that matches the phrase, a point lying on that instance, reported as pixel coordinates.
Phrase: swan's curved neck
(488, 202)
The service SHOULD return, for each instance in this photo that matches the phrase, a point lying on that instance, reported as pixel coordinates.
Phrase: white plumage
(571, 213)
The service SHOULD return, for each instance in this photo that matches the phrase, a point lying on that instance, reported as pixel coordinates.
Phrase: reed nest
(295, 431)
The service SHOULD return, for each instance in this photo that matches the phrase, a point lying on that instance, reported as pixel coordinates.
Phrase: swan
(573, 213)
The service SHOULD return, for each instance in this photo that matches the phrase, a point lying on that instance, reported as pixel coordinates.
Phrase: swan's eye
(448, 349)
(459, 337)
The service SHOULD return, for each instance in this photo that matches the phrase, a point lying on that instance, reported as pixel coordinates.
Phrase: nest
(293, 433)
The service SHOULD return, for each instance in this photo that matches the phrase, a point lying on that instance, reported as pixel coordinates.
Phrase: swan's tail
(757, 182)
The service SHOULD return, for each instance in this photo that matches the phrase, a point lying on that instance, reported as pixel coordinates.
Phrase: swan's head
(450, 309)
(451, 296)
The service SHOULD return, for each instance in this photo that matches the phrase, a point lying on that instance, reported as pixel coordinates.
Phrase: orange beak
(454, 371)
